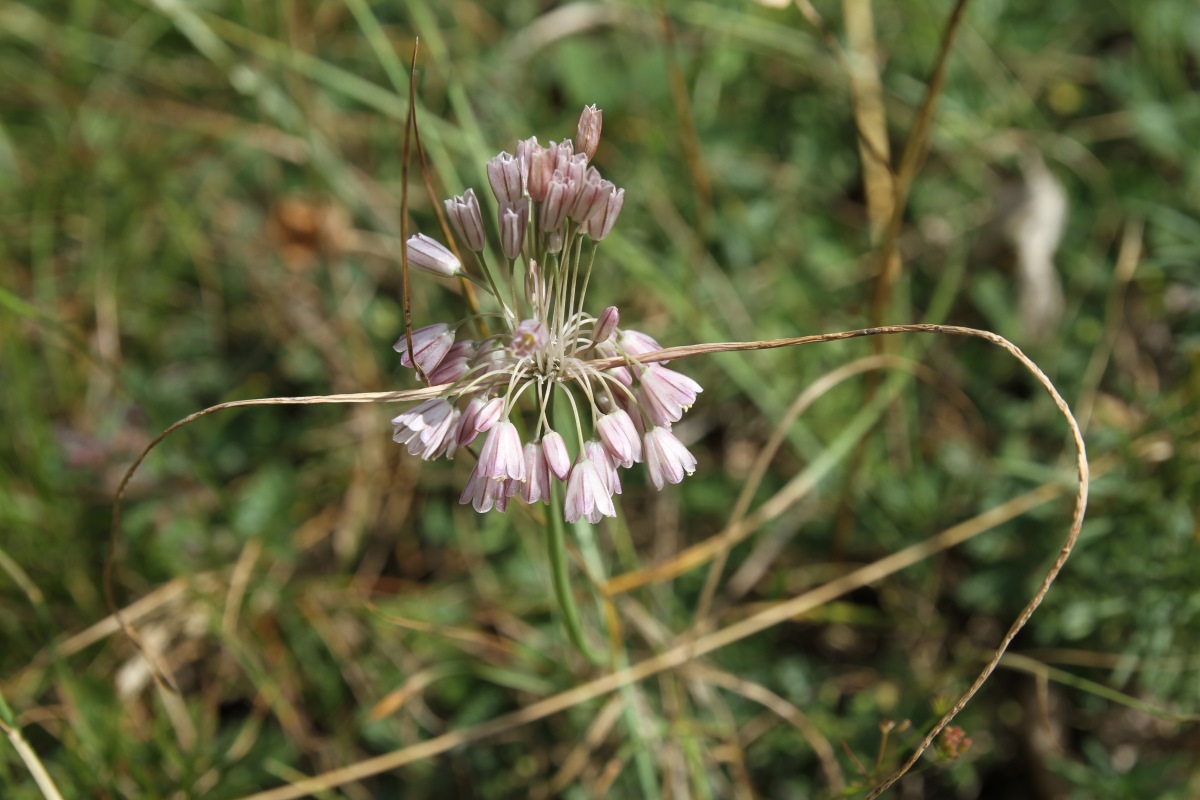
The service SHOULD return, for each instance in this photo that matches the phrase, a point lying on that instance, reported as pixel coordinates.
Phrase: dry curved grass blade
(29, 757)
(161, 675)
(785, 710)
(762, 462)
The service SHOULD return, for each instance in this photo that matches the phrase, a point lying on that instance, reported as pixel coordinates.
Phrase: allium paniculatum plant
(554, 210)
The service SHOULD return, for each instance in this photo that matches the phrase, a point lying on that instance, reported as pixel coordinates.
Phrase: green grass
(201, 203)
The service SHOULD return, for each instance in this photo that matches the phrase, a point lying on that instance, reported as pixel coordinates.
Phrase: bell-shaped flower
(514, 220)
(537, 482)
(616, 430)
(429, 345)
(426, 430)
(557, 458)
(605, 465)
(604, 215)
(636, 343)
(501, 457)
(454, 364)
(606, 323)
(587, 497)
(485, 493)
(466, 219)
(667, 460)
(553, 211)
(504, 175)
(429, 255)
(665, 393)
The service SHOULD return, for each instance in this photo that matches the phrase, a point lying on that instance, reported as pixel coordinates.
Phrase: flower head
(540, 344)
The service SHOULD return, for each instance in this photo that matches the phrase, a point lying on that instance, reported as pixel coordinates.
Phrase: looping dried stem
(690, 650)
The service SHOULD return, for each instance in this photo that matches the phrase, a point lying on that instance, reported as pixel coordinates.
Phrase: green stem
(556, 549)
(634, 719)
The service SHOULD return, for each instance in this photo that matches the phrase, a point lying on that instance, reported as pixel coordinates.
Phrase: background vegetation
(201, 202)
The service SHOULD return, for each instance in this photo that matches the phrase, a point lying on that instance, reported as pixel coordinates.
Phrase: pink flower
(593, 191)
(557, 458)
(594, 451)
(514, 221)
(545, 342)
(489, 414)
(465, 218)
(425, 430)
(666, 394)
(587, 497)
(620, 437)
(604, 215)
(430, 345)
(541, 170)
(504, 174)
(537, 484)
(637, 343)
(454, 364)
(555, 206)
(467, 432)
(667, 460)
(529, 337)
(501, 456)
(484, 493)
(587, 133)
(429, 255)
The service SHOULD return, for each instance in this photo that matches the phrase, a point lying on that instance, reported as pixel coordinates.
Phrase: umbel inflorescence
(554, 210)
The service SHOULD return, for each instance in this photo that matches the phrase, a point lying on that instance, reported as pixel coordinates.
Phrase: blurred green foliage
(201, 202)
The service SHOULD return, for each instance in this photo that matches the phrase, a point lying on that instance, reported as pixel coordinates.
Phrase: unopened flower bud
(587, 134)
(514, 220)
(429, 255)
(466, 219)
(557, 458)
(504, 174)
(606, 323)
(489, 414)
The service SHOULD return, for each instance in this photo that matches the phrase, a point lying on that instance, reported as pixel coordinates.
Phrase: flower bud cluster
(551, 205)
